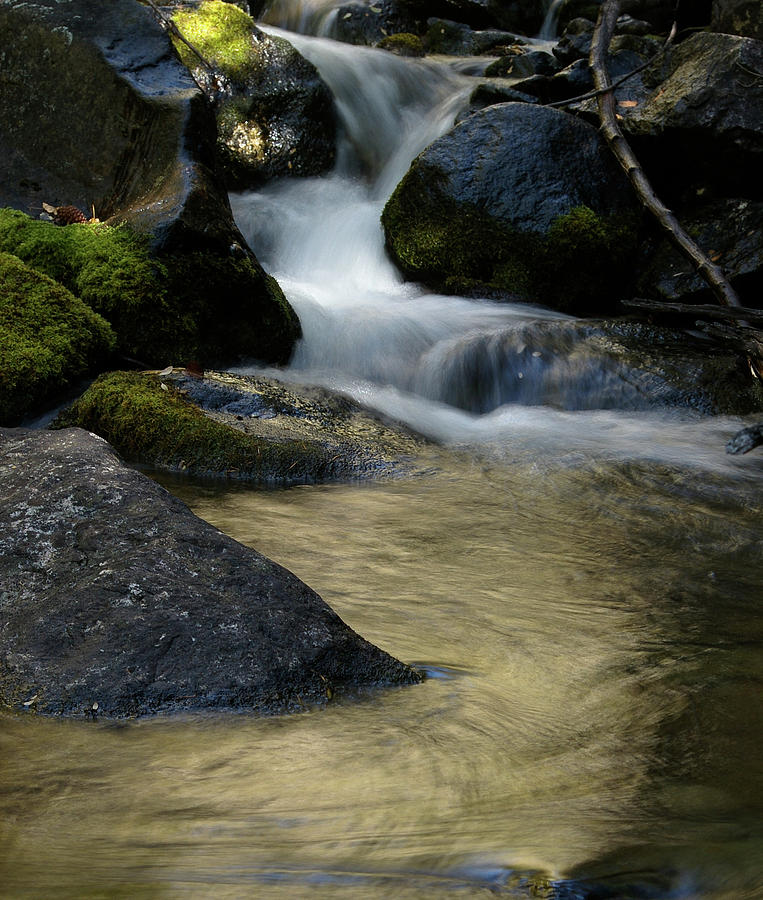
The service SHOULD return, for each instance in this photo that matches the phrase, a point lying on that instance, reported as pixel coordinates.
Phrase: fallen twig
(706, 310)
(711, 273)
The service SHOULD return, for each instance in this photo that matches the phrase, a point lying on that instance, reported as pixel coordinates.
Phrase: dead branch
(610, 129)
(590, 95)
(702, 310)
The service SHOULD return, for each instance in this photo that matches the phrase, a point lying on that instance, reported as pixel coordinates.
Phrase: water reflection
(596, 718)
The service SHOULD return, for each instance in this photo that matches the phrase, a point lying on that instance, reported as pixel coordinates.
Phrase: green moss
(158, 427)
(403, 44)
(584, 260)
(198, 305)
(223, 35)
(48, 339)
(575, 267)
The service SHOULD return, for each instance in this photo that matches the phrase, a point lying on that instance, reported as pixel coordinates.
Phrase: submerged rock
(99, 113)
(570, 364)
(117, 601)
(274, 114)
(516, 197)
(244, 427)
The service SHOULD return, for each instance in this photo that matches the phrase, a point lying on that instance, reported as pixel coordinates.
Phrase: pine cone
(68, 215)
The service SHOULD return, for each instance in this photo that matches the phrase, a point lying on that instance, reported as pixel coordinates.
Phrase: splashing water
(460, 370)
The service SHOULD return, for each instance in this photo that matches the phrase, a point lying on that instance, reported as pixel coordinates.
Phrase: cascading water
(460, 370)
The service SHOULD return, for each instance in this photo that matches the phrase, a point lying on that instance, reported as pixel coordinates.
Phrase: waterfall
(457, 369)
(548, 27)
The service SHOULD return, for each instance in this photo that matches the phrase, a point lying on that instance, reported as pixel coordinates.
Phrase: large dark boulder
(98, 112)
(518, 197)
(743, 17)
(117, 601)
(702, 124)
(275, 114)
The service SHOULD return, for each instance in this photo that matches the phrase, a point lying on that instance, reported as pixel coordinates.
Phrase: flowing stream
(577, 570)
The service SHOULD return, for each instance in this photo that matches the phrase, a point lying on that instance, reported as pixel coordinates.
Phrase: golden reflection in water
(593, 689)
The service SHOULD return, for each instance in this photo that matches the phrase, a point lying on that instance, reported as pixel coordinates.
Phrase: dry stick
(731, 313)
(711, 273)
(615, 84)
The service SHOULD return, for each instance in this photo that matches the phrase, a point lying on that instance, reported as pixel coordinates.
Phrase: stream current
(578, 571)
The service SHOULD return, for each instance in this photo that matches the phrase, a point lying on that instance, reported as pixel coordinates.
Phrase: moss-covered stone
(574, 267)
(48, 339)
(222, 33)
(178, 423)
(403, 44)
(275, 116)
(163, 308)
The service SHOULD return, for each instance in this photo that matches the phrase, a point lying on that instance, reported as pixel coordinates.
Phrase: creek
(577, 569)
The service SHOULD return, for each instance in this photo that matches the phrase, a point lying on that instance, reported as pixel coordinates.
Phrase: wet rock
(745, 440)
(516, 196)
(275, 114)
(702, 124)
(744, 17)
(586, 365)
(367, 25)
(98, 112)
(242, 427)
(575, 43)
(491, 91)
(523, 64)
(117, 601)
(457, 39)
(403, 44)
(731, 233)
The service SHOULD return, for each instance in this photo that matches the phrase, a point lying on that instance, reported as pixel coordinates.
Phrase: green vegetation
(574, 267)
(48, 339)
(176, 308)
(222, 33)
(150, 424)
(403, 44)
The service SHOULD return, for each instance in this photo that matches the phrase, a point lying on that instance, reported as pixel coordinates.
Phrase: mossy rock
(275, 115)
(179, 423)
(163, 308)
(517, 199)
(403, 44)
(575, 267)
(48, 340)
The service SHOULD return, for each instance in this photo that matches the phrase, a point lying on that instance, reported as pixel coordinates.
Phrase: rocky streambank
(117, 601)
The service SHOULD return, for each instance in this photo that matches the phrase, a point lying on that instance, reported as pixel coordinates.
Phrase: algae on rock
(274, 113)
(239, 427)
(160, 306)
(48, 340)
(519, 199)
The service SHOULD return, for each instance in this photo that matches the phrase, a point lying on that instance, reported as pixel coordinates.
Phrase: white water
(415, 355)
